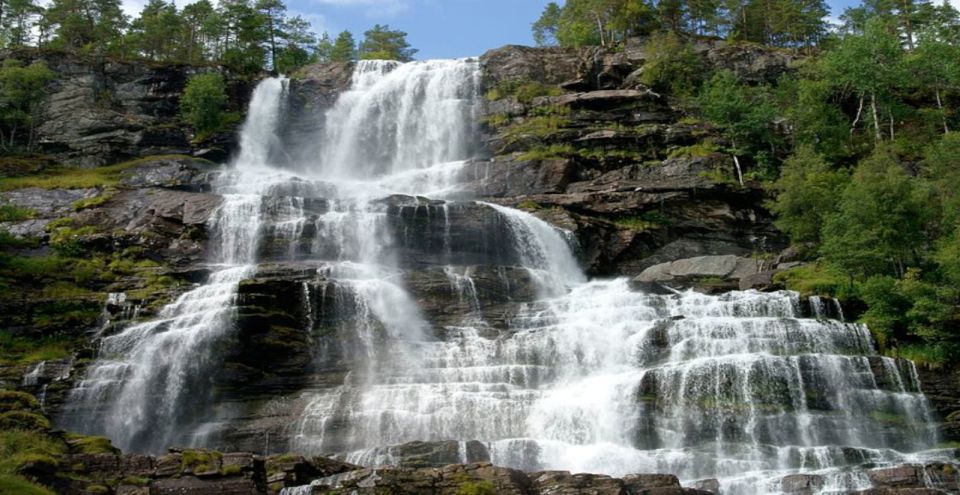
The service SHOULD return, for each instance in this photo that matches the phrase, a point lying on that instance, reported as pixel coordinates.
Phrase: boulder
(722, 267)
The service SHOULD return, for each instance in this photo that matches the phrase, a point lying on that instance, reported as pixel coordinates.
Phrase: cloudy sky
(438, 28)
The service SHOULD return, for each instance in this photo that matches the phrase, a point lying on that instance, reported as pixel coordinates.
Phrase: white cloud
(372, 8)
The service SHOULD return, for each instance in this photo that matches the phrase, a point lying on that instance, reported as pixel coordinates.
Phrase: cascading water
(149, 385)
(565, 373)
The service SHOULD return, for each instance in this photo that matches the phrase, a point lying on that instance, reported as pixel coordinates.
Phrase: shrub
(671, 65)
(203, 101)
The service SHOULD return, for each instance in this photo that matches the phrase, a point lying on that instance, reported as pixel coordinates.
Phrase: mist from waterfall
(587, 376)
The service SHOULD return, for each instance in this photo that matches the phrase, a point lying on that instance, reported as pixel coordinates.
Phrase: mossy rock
(83, 444)
(200, 461)
(14, 400)
(23, 420)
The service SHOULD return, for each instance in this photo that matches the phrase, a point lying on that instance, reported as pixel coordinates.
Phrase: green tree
(935, 67)
(156, 32)
(870, 66)
(22, 89)
(18, 19)
(744, 114)
(87, 25)
(200, 31)
(273, 15)
(879, 225)
(807, 191)
(324, 49)
(203, 101)
(300, 41)
(671, 65)
(545, 29)
(382, 43)
(344, 48)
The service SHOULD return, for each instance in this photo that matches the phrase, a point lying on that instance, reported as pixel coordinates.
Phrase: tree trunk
(943, 116)
(736, 164)
(859, 113)
(876, 118)
(603, 41)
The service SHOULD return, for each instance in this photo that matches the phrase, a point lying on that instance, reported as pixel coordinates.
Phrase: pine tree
(344, 48)
(380, 42)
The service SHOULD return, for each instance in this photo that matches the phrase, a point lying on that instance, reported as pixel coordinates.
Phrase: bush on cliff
(203, 101)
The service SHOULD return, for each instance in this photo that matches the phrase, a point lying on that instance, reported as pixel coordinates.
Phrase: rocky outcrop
(101, 111)
(942, 388)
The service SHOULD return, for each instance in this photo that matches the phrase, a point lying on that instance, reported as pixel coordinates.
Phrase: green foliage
(203, 101)
(199, 460)
(22, 89)
(879, 223)
(382, 43)
(529, 204)
(344, 49)
(807, 189)
(745, 114)
(671, 65)
(816, 280)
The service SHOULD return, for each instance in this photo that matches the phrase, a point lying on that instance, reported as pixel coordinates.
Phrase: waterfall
(150, 383)
(547, 369)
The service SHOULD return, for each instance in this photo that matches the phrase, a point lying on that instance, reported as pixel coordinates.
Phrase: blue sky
(438, 28)
(441, 28)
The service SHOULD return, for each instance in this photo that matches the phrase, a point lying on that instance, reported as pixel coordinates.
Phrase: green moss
(476, 488)
(97, 489)
(83, 204)
(78, 178)
(135, 481)
(231, 470)
(529, 204)
(83, 444)
(17, 485)
(23, 420)
(14, 400)
(890, 419)
(700, 150)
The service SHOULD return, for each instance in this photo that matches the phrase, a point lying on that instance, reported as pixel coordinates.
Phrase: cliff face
(100, 112)
(568, 135)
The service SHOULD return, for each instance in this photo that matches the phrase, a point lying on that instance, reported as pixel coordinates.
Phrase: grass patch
(484, 487)
(99, 200)
(529, 204)
(78, 178)
(23, 420)
(83, 444)
(13, 213)
(539, 127)
(199, 460)
(18, 447)
(26, 350)
(18, 485)
(815, 280)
